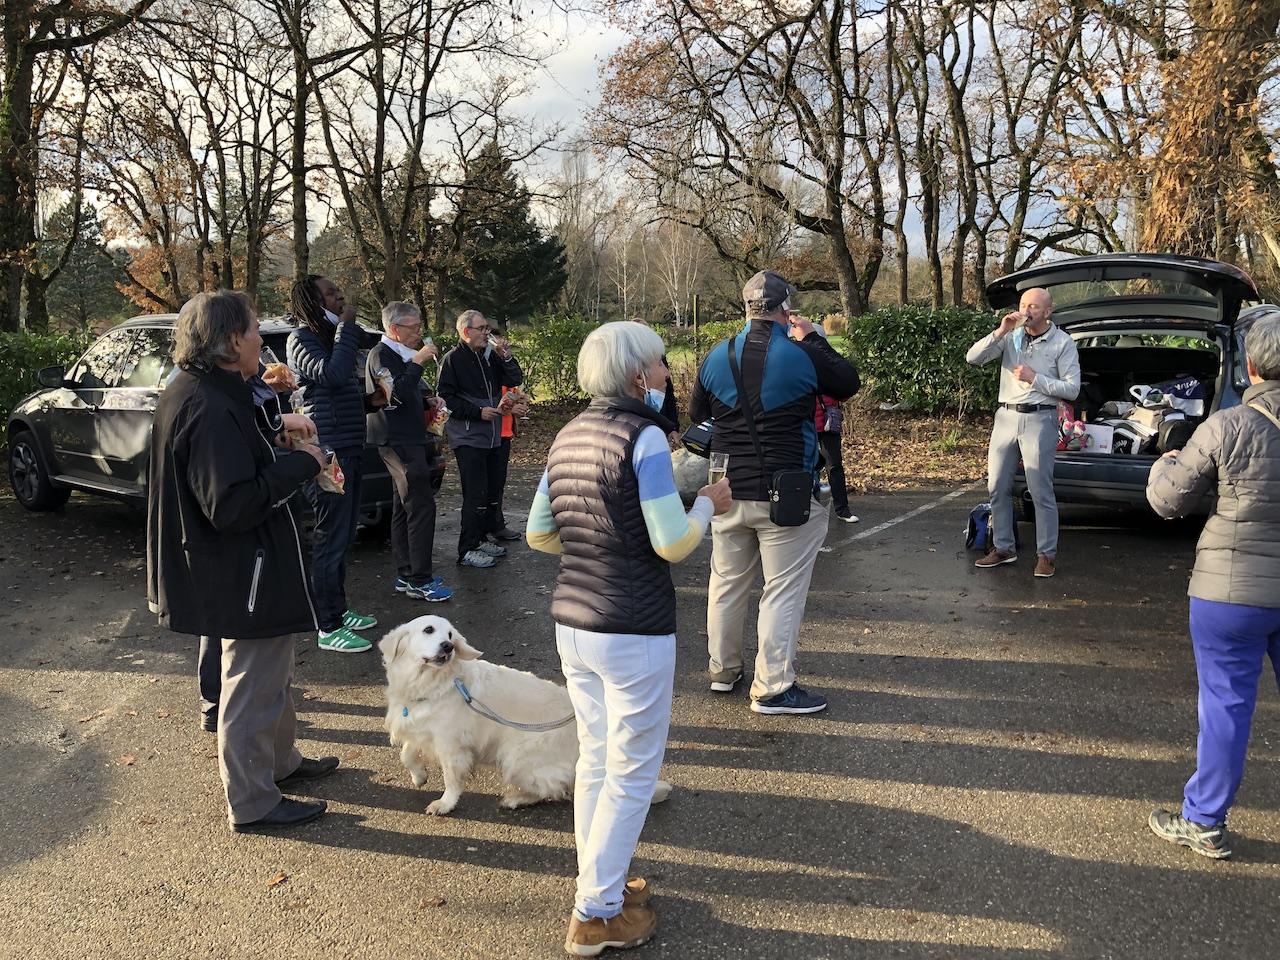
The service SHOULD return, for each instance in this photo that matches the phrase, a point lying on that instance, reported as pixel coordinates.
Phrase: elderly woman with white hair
(608, 505)
(1235, 586)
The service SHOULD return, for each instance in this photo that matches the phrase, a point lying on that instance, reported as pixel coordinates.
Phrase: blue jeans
(1230, 641)
(335, 528)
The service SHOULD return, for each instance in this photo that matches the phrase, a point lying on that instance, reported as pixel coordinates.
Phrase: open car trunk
(1108, 372)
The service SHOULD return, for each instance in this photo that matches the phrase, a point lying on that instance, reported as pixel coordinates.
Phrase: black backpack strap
(748, 414)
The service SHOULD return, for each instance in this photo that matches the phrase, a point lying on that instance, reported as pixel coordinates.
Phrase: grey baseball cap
(765, 292)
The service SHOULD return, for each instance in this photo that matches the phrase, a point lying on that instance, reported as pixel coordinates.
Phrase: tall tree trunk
(17, 200)
(37, 308)
(298, 155)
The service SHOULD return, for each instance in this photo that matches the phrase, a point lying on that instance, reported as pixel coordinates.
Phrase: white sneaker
(492, 549)
(474, 558)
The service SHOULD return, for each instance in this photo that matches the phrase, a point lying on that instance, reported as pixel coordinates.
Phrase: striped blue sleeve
(673, 533)
(541, 532)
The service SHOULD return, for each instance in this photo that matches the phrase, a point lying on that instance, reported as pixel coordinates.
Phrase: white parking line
(923, 508)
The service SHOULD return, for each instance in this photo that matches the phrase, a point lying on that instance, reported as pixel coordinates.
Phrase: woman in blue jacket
(322, 355)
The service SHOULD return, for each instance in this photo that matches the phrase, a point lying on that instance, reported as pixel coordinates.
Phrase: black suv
(1137, 319)
(89, 427)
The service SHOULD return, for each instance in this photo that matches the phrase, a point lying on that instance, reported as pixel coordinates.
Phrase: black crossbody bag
(790, 491)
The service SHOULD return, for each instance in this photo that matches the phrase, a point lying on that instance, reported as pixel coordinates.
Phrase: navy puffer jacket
(332, 387)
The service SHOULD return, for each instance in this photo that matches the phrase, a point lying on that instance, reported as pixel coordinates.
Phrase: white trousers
(620, 685)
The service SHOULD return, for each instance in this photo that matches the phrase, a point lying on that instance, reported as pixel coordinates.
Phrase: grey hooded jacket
(1238, 451)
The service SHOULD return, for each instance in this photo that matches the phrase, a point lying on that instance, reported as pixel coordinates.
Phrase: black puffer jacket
(332, 387)
(611, 580)
(223, 554)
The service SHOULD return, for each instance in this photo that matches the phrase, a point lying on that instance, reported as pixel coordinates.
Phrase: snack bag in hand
(279, 378)
(331, 478)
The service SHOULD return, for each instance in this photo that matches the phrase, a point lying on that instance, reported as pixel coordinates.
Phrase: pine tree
(505, 265)
(85, 294)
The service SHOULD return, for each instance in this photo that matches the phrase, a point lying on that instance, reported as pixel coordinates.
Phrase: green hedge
(22, 354)
(548, 353)
(915, 355)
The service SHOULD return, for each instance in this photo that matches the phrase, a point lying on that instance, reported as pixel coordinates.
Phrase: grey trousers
(1033, 437)
(256, 725)
(744, 541)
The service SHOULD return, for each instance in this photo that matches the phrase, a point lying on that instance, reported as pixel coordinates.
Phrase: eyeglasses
(486, 329)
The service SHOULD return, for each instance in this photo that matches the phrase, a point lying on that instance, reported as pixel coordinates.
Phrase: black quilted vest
(610, 581)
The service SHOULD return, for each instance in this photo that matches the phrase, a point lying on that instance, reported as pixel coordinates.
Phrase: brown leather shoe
(994, 557)
(632, 927)
(1045, 566)
(636, 892)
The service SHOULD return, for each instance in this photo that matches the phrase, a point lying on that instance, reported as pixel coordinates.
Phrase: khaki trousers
(743, 541)
(256, 725)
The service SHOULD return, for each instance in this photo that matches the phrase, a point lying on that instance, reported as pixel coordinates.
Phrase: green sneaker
(358, 621)
(343, 640)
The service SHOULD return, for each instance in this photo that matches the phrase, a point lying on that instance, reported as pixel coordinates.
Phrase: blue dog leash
(488, 714)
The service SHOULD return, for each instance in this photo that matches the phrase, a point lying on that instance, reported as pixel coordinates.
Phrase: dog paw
(418, 779)
(439, 808)
(661, 790)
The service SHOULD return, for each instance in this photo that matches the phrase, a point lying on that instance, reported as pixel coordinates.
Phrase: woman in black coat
(223, 554)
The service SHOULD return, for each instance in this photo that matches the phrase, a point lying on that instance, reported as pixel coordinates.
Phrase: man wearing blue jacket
(781, 378)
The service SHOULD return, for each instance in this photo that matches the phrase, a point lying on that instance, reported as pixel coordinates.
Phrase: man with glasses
(399, 431)
(472, 376)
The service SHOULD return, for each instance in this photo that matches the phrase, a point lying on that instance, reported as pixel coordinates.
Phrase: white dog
(426, 714)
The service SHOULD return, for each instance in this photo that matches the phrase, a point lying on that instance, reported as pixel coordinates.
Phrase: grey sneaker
(723, 681)
(490, 549)
(475, 558)
(1209, 842)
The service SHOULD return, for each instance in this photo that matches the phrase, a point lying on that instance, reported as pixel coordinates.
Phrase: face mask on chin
(653, 399)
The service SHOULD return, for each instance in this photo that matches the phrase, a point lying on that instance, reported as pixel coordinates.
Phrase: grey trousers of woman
(256, 725)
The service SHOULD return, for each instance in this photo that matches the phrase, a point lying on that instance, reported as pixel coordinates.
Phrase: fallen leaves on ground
(883, 450)
(278, 879)
(128, 760)
(428, 902)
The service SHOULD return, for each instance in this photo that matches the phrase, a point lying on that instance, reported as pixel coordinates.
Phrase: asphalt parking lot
(978, 789)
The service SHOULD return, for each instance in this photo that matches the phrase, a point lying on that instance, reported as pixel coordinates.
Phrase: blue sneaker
(402, 584)
(434, 591)
(792, 700)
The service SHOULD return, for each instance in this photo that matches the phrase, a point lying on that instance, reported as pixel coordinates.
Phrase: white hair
(1262, 346)
(613, 354)
(465, 318)
(398, 312)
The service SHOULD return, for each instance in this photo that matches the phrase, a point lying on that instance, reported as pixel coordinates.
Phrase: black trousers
(480, 470)
(209, 668)
(413, 511)
(500, 518)
(835, 468)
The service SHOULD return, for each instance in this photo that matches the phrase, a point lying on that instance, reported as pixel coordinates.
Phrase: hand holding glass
(718, 468)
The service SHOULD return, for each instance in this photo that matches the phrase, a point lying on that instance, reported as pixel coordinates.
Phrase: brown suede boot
(636, 892)
(1046, 566)
(632, 927)
(994, 557)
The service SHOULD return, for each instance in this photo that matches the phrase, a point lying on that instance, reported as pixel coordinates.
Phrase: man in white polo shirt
(1039, 366)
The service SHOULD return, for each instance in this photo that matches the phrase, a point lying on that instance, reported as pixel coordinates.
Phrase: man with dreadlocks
(322, 354)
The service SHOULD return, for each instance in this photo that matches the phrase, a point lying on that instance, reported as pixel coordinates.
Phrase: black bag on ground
(790, 491)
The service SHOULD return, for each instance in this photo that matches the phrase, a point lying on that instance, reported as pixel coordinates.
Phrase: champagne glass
(718, 467)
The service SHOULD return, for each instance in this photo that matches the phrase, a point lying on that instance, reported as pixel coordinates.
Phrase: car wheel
(28, 478)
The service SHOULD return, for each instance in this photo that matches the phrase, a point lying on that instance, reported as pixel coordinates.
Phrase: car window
(101, 366)
(150, 360)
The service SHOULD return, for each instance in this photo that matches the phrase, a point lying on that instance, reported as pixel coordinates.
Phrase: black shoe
(506, 533)
(794, 699)
(287, 813)
(310, 769)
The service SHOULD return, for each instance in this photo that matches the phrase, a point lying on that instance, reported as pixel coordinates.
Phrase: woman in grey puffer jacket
(1235, 587)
